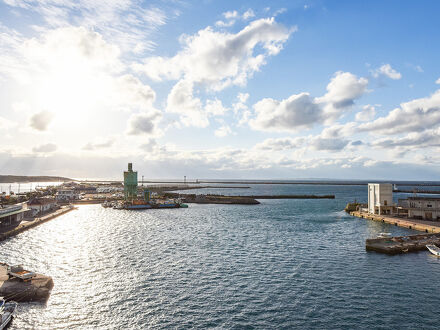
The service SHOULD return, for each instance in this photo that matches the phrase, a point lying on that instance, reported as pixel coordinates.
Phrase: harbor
(418, 213)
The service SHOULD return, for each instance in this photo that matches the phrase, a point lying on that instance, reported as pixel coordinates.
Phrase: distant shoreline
(32, 178)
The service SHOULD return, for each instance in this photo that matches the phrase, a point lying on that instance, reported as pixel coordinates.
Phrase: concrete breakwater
(25, 225)
(401, 244)
(242, 199)
(289, 196)
(37, 288)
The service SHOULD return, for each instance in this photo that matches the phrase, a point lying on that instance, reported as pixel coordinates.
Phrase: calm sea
(281, 264)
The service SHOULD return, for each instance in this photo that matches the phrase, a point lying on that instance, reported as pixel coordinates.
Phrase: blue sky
(220, 89)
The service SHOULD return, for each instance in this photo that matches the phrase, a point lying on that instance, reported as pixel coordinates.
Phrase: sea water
(281, 264)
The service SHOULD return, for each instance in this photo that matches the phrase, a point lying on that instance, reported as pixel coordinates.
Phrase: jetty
(26, 225)
(37, 288)
(415, 224)
(402, 244)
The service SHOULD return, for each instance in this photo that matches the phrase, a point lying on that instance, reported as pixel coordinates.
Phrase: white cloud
(437, 81)
(182, 101)
(215, 107)
(343, 89)
(388, 71)
(99, 144)
(414, 140)
(45, 148)
(41, 120)
(223, 131)
(124, 22)
(220, 59)
(298, 111)
(6, 124)
(144, 123)
(368, 113)
(413, 116)
(248, 14)
(279, 144)
(230, 14)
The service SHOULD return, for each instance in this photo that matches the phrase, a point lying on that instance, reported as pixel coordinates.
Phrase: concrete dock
(37, 288)
(420, 225)
(402, 244)
(25, 225)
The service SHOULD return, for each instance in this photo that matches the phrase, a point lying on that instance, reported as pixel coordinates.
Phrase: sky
(220, 89)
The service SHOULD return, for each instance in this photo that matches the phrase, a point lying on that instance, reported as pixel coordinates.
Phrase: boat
(433, 249)
(19, 272)
(7, 312)
(384, 235)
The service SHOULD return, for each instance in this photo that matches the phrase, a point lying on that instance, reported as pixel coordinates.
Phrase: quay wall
(427, 227)
(25, 225)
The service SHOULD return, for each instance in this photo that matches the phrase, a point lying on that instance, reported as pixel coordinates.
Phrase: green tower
(130, 183)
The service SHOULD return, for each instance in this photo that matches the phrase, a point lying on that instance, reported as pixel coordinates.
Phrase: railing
(10, 209)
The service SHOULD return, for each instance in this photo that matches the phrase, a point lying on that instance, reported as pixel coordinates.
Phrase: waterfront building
(380, 198)
(426, 208)
(130, 183)
(41, 205)
(11, 216)
(66, 195)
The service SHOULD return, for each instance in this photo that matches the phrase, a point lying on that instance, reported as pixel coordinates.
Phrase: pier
(37, 288)
(420, 225)
(25, 225)
(402, 244)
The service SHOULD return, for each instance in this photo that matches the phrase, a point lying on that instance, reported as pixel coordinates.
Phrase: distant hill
(23, 178)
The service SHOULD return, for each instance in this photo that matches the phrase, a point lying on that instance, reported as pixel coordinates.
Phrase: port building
(11, 216)
(41, 205)
(426, 208)
(380, 198)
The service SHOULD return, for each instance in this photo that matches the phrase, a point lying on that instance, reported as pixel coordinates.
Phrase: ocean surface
(283, 264)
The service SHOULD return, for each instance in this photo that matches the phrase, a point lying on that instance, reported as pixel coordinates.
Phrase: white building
(380, 198)
(426, 208)
(41, 205)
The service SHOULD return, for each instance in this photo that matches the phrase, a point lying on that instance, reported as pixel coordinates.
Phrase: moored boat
(7, 311)
(435, 250)
(384, 235)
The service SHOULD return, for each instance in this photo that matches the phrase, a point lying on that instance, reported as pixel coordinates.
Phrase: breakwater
(241, 199)
(289, 196)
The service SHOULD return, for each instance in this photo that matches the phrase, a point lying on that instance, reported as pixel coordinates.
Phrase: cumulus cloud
(368, 113)
(41, 120)
(215, 107)
(232, 16)
(387, 71)
(45, 148)
(223, 131)
(279, 144)
(99, 144)
(144, 123)
(297, 111)
(220, 59)
(182, 101)
(414, 140)
(437, 81)
(343, 89)
(413, 116)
